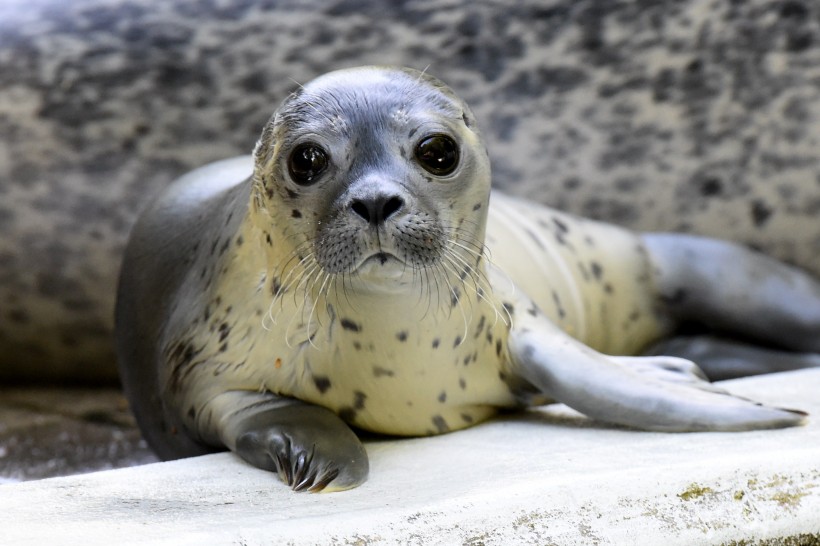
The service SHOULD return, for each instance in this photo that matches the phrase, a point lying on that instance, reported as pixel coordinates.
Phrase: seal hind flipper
(728, 359)
(650, 393)
(735, 291)
(309, 447)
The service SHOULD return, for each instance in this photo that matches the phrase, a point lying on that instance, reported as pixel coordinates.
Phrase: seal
(364, 276)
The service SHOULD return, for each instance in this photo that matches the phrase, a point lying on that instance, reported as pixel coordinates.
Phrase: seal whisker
(482, 291)
(289, 283)
(459, 302)
(319, 295)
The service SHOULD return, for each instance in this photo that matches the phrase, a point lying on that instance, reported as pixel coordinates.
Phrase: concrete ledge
(546, 477)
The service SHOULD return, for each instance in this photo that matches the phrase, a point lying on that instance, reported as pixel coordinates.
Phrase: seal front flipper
(309, 447)
(651, 393)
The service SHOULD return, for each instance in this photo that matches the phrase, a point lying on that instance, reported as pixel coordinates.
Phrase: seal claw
(330, 475)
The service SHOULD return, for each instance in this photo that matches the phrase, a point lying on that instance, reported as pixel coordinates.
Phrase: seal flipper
(308, 446)
(728, 359)
(735, 291)
(651, 393)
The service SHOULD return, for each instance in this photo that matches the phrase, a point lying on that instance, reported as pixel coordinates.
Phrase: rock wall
(698, 115)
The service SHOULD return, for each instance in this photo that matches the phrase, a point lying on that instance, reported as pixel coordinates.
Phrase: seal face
(361, 277)
(376, 173)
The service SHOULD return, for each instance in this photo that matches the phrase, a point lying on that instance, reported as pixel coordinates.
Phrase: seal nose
(378, 209)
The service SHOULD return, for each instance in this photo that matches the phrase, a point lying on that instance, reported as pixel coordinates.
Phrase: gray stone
(57, 432)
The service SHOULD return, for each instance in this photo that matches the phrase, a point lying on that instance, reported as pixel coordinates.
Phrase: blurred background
(692, 115)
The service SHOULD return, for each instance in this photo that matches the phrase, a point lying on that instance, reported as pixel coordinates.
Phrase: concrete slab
(545, 477)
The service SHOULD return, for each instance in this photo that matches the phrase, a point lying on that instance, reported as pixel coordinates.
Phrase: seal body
(364, 275)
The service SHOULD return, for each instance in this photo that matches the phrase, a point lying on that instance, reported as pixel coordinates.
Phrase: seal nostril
(391, 206)
(361, 209)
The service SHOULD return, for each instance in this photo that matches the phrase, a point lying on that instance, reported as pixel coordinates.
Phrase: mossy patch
(694, 491)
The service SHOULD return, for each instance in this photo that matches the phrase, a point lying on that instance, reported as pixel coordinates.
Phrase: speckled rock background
(699, 115)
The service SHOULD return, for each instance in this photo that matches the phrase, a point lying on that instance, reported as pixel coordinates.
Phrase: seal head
(367, 173)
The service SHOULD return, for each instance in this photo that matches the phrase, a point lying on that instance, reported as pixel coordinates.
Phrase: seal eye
(438, 154)
(307, 161)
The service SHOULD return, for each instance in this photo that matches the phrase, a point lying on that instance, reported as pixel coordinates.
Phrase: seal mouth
(380, 259)
(381, 265)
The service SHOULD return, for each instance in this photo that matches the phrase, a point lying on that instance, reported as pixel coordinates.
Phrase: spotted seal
(364, 275)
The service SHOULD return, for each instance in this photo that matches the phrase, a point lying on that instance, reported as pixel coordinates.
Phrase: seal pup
(364, 275)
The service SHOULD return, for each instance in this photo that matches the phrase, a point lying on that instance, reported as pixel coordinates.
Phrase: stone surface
(46, 432)
(548, 476)
(697, 115)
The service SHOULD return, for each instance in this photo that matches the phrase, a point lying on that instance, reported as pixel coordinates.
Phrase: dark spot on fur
(558, 305)
(441, 424)
(224, 331)
(462, 383)
(509, 308)
(402, 336)
(536, 239)
(442, 397)
(295, 214)
(347, 414)
(378, 371)
(455, 295)
(412, 132)
(498, 348)
(268, 239)
(191, 413)
(322, 383)
(436, 343)
(562, 227)
(359, 398)
(457, 342)
(223, 347)
(467, 418)
(292, 194)
(357, 345)
(181, 359)
(597, 270)
(240, 240)
(348, 324)
(466, 360)
(608, 288)
(480, 327)
(476, 206)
